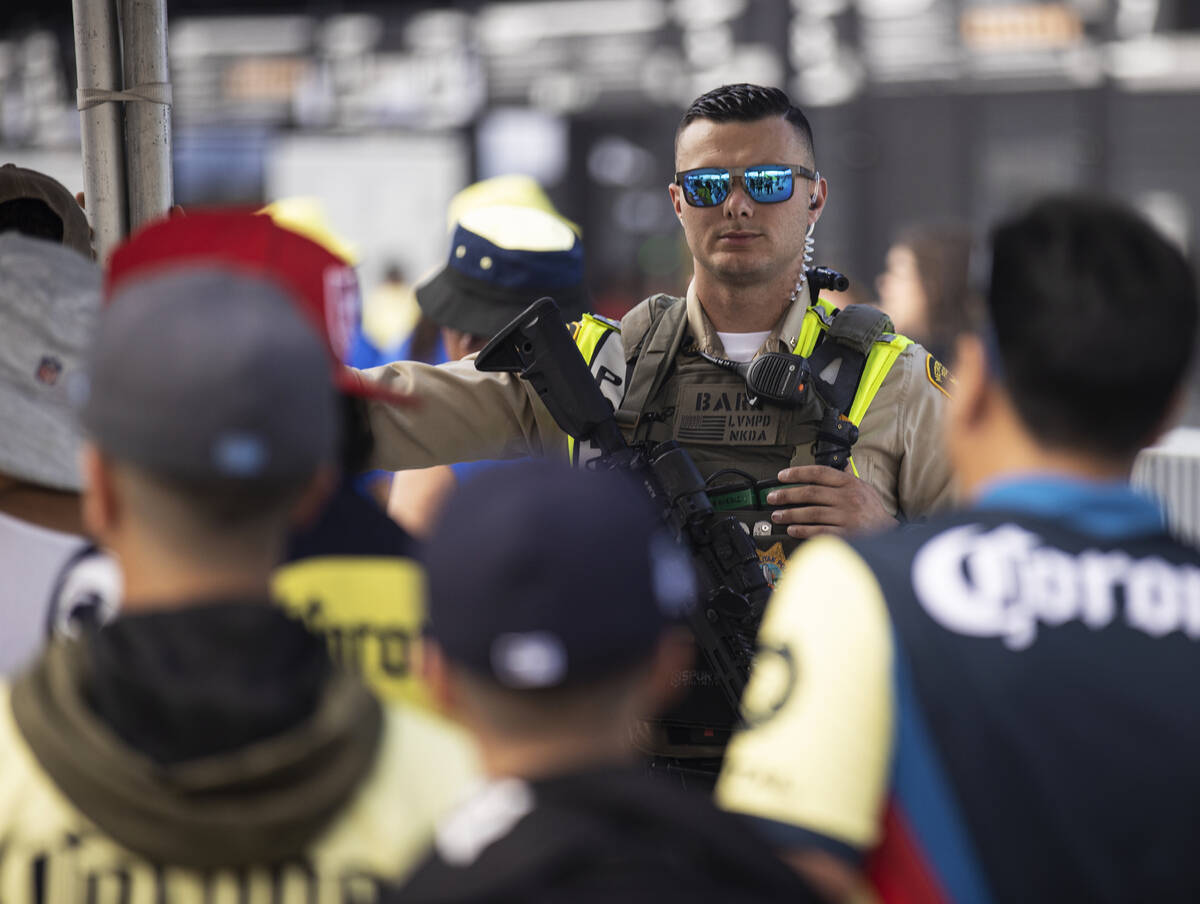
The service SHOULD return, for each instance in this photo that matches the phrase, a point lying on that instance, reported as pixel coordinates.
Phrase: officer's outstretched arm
(460, 414)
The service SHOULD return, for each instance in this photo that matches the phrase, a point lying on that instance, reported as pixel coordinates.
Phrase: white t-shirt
(37, 573)
(742, 346)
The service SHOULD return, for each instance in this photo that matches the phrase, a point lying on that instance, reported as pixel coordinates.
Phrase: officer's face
(742, 243)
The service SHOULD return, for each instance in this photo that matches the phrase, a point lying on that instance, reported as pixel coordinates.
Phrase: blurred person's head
(508, 190)
(49, 301)
(1091, 324)
(923, 287)
(554, 602)
(747, 235)
(323, 283)
(211, 422)
(36, 205)
(306, 216)
(502, 259)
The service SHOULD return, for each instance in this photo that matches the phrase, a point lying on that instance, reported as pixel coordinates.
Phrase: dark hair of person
(943, 256)
(424, 344)
(1095, 318)
(748, 103)
(31, 216)
(230, 505)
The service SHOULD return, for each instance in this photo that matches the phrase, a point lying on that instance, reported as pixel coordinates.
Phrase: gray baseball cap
(204, 373)
(49, 302)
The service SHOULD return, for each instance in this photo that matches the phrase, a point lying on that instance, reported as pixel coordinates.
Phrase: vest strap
(589, 332)
(860, 326)
(861, 337)
(883, 355)
(654, 355)
(816, 319)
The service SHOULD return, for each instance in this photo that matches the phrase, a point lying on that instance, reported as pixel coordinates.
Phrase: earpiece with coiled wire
(802, 280)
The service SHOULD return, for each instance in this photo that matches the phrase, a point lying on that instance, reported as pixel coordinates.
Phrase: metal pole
(147, 124)
(97, 59)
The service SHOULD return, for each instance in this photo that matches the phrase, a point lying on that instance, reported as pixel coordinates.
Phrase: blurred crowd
(300, 604)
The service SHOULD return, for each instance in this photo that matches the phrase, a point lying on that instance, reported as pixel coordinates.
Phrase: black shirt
(605, 835)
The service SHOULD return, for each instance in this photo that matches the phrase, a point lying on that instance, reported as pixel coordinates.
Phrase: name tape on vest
(721, 414)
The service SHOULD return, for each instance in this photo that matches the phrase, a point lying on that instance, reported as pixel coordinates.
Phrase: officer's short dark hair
(1095, 315)
(747, 103)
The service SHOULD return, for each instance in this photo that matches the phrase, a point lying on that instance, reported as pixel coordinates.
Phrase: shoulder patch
(939, 375)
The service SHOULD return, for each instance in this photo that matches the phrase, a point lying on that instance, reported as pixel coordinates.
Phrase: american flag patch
(702, 427)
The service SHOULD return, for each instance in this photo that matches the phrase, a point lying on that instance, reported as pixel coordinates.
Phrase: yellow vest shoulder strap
(883, 354)
(589, 330)
(589, 333)
(817, 319)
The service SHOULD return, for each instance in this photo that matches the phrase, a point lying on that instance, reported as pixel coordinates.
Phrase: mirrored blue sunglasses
(766, 183)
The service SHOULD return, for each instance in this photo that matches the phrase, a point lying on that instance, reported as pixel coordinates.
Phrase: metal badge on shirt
(720, 413)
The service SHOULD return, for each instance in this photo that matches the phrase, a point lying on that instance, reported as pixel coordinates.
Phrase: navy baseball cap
(540, 575)
(502, 259)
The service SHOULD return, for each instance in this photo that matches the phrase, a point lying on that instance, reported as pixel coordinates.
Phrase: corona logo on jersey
(1005, 583)
(370, 610)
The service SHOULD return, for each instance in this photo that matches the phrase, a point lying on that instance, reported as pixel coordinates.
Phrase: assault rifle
(538, 347)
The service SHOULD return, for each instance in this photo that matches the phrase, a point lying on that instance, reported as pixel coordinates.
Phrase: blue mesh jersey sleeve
(465, 470)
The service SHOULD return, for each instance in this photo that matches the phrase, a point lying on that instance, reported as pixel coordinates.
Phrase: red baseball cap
(323, 286)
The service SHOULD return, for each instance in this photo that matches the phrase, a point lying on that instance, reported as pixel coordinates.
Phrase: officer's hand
(834, 502)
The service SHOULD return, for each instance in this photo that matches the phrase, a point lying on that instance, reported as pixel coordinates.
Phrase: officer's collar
(786, 331)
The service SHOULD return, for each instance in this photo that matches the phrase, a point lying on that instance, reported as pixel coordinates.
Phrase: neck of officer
(743, 307)
(1003, 447)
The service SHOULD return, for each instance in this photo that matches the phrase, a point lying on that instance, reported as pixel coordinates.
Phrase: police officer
(999, 703)
(748, 196)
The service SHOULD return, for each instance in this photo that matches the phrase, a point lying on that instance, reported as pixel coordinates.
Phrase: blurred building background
(923, 109)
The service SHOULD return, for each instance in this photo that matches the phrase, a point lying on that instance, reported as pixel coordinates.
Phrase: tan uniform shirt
(466, 415)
